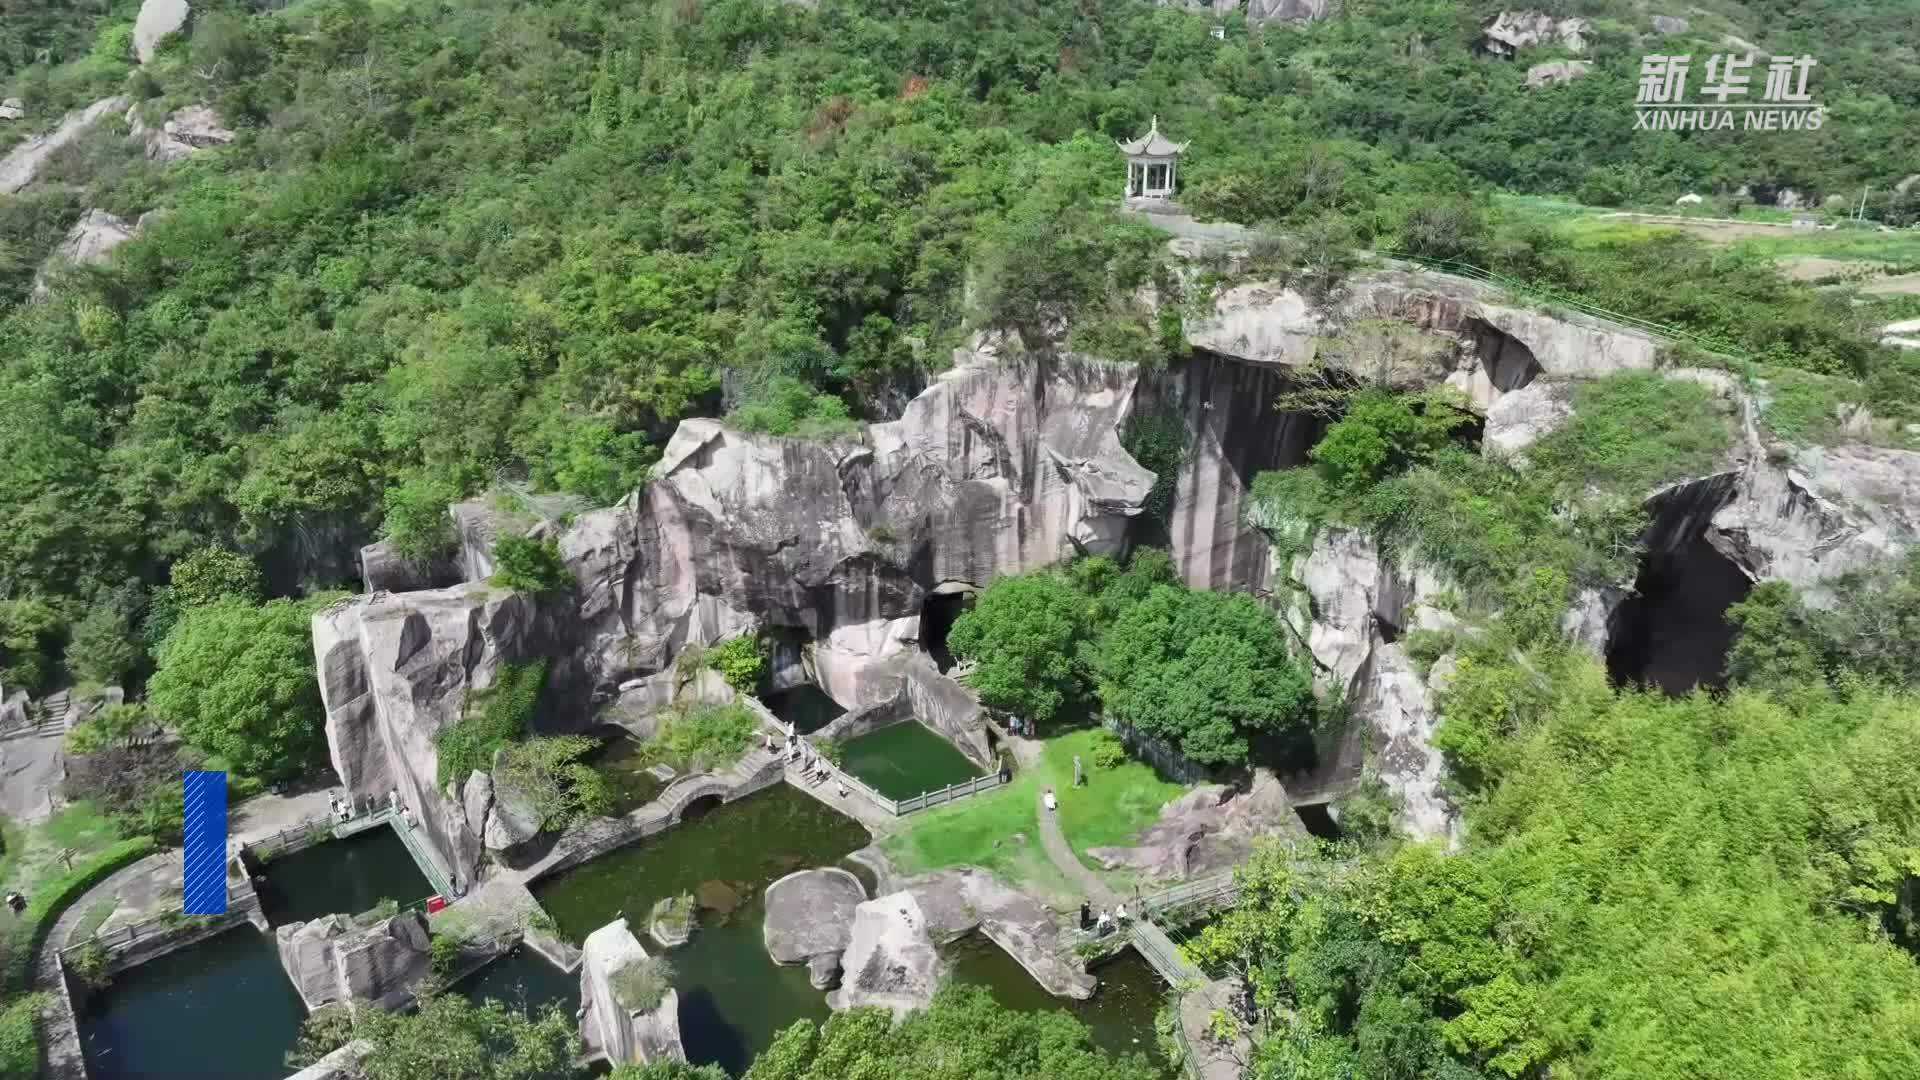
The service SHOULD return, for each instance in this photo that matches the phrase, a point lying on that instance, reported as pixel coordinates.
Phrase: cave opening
(1319, 820)
(1672, 633)
(937, 616)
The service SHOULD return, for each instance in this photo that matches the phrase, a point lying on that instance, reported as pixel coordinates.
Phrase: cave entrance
(1319, 820)
(1672, 632)
(1508, 363)
(936, 621)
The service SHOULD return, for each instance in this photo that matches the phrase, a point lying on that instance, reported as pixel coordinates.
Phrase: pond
(733, 998)
(806, 707)
(342, 876)
(1119, 1014)
(221, 1008)
(905, 759)
(621, 763)
(523, 980)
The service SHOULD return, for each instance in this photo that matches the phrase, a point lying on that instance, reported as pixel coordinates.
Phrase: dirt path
(1060, 853)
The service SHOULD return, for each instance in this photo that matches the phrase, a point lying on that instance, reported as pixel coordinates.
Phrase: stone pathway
(1064, 860)
(263, 815)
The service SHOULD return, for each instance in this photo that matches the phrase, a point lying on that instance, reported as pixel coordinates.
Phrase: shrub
(443, 954)
(642, 982)
(20, 1037)
(526, 564)
(89, 964)
(739, 661)
(1108, 751)
(787, 406)
(705, 737)
(548, 774)
(491, 720)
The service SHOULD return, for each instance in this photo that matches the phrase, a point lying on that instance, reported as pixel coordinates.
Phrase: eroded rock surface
(395, 669)
(809, 920)
(156, 20)
(890, 961)
(626, 1036)
(996, 468)
(1210, 828)
(1510, 31)
(186, 131)
(22, 163)
(330, 959)
(1557, 71)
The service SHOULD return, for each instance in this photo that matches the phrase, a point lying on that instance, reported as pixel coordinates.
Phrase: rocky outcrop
(330, 959)
(342, 1064)
(1212, 827)
(1669, 24)
(90, 241)
(395, 669)
(1266, 11)
(625, 1035)
(13, 109)
(185, 132)
(1510, 31)
(156, 20)
(996, 468)
(809, 920)
(890, 960)
(1557, 71)
(22, 163)
(1519, 419)
(384, 570)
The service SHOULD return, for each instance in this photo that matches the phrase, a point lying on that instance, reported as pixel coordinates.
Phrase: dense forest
(462, 246)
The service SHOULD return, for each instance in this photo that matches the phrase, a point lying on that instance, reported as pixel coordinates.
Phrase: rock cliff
(330, 959)
(607, 1026)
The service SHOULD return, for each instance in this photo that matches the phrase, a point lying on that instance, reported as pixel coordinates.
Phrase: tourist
(1048, 799)
(16, 902)
(1121, 915)
(842, 785)
(1086, 914)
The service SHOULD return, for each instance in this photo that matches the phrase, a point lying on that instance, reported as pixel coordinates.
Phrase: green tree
(1023, 636)
(530, 565)
(738, 660)
(668, 1070)
(236, 680)
(447, 1037)
(547, 775)
(1380, 434)
(1775, 645)
(102, 650)
(1202, 671)
(207, 575)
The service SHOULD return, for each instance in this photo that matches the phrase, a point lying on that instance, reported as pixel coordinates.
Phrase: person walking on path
(1051, 805)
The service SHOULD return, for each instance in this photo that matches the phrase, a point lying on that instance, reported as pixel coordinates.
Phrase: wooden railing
(1217, 888)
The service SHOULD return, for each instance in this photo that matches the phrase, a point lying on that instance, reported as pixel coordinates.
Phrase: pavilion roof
(1152, 144)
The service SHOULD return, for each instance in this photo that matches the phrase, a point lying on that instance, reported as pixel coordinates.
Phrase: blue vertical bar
(204, 885)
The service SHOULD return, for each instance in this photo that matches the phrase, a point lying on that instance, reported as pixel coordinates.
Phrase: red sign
(435, 903)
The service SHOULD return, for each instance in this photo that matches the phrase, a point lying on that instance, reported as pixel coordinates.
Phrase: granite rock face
(1557, 71)
(809, 920)
(890, 960)
(330, 959)
(626, 1036)
(395, 669)
(1510, 31)
(996, 468)
(1210, 828)
(186, 131)
(22, 163)
(156, 20)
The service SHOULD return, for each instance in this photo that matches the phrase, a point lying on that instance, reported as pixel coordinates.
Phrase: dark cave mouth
(937, 617)
(1672, 633)
(1318, 820)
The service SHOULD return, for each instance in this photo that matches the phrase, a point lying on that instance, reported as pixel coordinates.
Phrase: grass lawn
(1110, 810)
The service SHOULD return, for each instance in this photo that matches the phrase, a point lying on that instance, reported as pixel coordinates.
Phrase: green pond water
(905, 759)
(733, 998)
(345, 876)
(1119, 1014)
(806, 707)
(619, 760)
(523, 980)
(222, 1008)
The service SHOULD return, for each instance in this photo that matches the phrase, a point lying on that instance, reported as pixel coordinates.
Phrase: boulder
(809, 920)
(19, 166)
(624, 1035)
(1519, 419)
(183, 133)
(330, 959)
(90, 241)
(890, 960)
(1669, 24)
(1557, 71)
(156, 20)
(1266, 11)
(1906, 184)
(1510, 31)
(12, 109)
(1689, 199)
(384, 570)
(1789, 199)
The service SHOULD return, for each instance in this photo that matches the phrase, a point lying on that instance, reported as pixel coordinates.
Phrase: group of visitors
(1105, 922)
